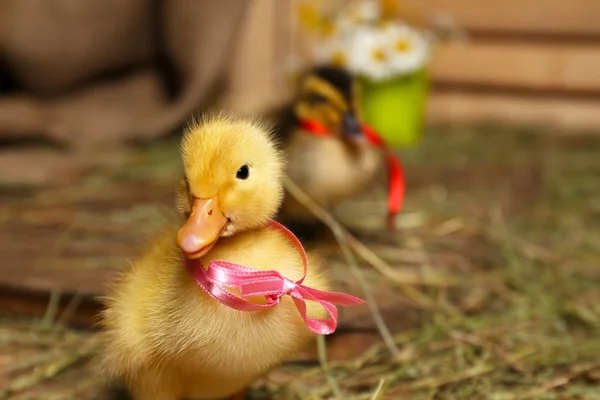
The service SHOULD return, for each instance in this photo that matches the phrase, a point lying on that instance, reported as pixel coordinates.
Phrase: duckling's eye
(316, 99)
(243, 172)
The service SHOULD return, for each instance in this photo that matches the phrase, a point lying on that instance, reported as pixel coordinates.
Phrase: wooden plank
(526, 65)
(575, 17)
(560, 112)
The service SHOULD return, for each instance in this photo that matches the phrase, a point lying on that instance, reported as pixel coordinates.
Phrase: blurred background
(489, 286)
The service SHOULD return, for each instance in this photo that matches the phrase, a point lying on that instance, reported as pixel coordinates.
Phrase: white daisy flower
(409, 48)
(369, 54)
(358, 41)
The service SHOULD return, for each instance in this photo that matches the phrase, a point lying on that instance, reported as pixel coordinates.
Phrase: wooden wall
(526, 61)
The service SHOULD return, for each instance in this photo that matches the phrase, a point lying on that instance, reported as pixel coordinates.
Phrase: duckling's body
(328, 169)
(334, 163)
(170, 340)
(164, 335)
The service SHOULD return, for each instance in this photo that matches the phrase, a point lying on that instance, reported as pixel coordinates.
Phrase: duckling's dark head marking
(326, 95)
(339, 78)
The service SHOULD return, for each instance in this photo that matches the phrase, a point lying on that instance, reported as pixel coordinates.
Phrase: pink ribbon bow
(251, 282)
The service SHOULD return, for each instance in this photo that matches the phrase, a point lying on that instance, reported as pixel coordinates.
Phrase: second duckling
(331, 155)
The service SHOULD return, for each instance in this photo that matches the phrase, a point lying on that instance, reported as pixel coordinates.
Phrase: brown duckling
(331, 155)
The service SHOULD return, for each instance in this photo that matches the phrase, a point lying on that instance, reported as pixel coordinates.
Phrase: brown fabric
(92, 72)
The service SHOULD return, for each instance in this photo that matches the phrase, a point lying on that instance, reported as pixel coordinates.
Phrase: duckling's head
(327, 95)
(233, 180)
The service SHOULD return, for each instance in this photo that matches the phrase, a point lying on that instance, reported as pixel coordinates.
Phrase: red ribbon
(396, 175)
(221, 275)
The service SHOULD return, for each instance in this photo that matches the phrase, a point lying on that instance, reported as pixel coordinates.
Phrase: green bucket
(395, 108)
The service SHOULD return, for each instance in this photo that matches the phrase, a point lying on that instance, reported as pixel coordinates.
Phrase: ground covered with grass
(488, 290)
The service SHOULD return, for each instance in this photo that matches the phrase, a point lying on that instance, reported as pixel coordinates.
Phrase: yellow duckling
(328, 155)
(173, 326)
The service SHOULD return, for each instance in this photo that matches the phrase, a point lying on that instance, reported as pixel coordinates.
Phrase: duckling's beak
(351, 127)
(203, 227)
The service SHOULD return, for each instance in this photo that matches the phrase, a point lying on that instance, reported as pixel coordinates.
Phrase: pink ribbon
(251, 282)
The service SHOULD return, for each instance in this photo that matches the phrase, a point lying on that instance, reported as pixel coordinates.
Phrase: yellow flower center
(327, 30)
(308, 16)
(403, 45)
(338, 59)
(379, 55)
